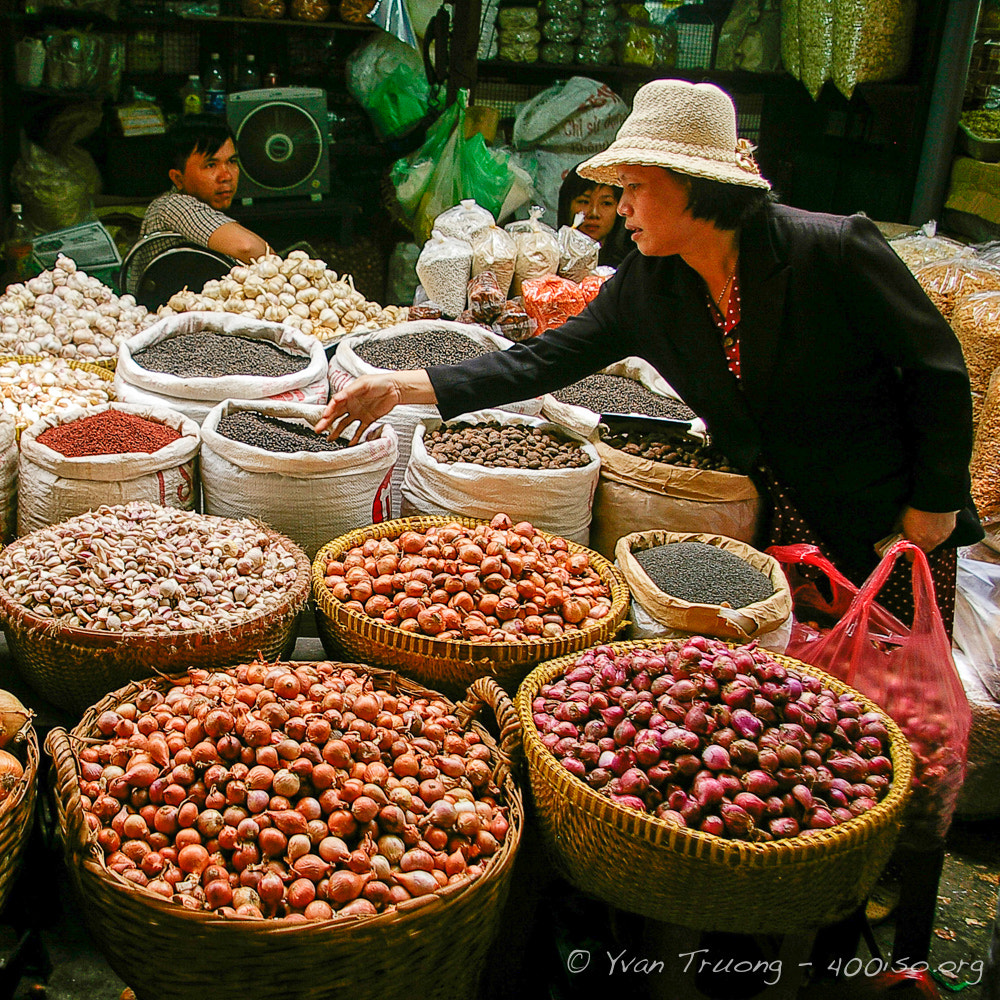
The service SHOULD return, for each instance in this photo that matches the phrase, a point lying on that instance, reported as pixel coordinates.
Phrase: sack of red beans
(77, 459)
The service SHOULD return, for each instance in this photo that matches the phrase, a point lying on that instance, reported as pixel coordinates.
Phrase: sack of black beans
(192, 361)
(687, 583)
(8, 477)
(77, 459)
(636, 493)
(579, 406)
(415, 345)
(493, 460)
(263, 460)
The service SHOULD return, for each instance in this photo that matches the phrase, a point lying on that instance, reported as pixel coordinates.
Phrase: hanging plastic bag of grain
(415, 344)
(537, 248)
(192, 361)
(872, 42)
(464, 221)
(443, 267)
(494, 250)
(494, 460)
(976, 322)
(8, 477)
(667, 477)
(263, 460)
(689, 583)
(631, 385)
(946, 281)
(815, 22)
(790, 44)
(578, 254)
(985, 464)
(77, 459)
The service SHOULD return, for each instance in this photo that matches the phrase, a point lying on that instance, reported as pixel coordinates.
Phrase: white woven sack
(583, 421)
(555, 500)
(311, 497)
(194, 397)
(53, 487)
(405, 418)
(8, 477)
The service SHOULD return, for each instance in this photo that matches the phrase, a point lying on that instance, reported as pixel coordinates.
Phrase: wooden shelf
(57, 15)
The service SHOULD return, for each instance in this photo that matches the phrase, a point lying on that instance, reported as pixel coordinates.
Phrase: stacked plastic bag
(518, 281)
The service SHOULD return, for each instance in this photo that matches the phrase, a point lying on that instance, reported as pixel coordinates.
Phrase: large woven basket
(17, 812)
(645, 865)
(431, 948)
(449, 665)
(73, 667)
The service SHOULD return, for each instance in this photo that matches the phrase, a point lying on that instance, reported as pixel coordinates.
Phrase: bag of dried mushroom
(946, 281)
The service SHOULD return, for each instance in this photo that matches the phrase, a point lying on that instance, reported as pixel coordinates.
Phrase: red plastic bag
(910, 675)
(814, 614)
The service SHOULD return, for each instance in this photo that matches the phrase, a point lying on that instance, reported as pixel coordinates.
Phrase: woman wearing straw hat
(812, 354)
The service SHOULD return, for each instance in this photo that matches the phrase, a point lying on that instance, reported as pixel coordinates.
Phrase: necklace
(725, 288)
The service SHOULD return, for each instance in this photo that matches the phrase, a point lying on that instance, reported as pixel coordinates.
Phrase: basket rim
(452, 649)
(104, 371)
(725, 850)
(25, 786)
(93, 862)
(16, 615)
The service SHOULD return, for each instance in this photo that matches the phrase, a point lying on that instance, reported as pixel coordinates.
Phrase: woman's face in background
(599, 205)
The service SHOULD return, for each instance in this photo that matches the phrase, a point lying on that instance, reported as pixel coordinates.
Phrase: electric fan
(282, 135)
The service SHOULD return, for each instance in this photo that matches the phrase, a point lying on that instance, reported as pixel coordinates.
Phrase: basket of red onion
(713, 786)
(289, 830)
(446, 600)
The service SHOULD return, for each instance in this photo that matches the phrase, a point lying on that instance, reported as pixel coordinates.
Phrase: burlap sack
(635, 494)
(734, 624)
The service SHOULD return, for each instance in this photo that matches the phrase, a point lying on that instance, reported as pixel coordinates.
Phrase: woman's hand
(927, 529)
(369, 397)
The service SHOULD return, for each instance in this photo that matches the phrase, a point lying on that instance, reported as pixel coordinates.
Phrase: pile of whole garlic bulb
(297, 290)
(66, 313)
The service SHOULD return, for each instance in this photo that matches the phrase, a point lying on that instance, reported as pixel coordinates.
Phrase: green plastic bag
(398, 102)
(448, 168)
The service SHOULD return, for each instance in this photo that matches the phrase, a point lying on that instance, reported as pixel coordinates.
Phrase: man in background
(204, 170)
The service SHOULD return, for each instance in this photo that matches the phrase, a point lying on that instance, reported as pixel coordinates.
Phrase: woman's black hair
(617, 243)
(195, 134)
(728, 206)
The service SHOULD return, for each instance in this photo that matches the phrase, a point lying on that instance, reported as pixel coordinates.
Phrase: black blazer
(854, 391)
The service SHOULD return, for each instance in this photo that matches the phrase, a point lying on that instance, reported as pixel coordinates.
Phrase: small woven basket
(639, 863)
(449, 665)
(432, 947)
(17, 811)
(103, 370)
(73, 667)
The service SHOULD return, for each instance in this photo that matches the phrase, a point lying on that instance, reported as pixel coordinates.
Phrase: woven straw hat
(687, 127)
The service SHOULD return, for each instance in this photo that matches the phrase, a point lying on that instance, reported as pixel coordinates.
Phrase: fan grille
(280, 145)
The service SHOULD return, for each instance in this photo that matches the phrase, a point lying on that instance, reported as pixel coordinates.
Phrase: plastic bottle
(214, 82)
(17, 244)
(247, 76)
(192, 96)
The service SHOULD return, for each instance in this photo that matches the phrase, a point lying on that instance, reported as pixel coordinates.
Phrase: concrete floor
(77, 971)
